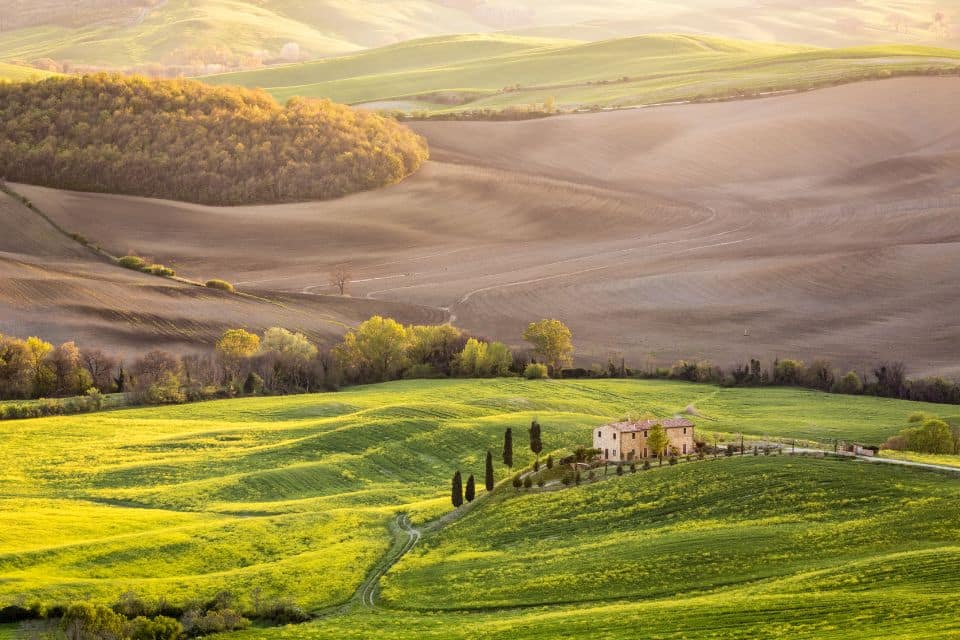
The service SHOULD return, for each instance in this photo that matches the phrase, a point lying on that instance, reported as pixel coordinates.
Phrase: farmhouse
(628, 440)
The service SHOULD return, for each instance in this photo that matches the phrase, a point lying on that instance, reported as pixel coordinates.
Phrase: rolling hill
(186, 36)
(469, 73)
(19, 73)
(822, 224)
(293, 496)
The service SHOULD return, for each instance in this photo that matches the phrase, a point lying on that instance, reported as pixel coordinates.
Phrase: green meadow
(294, 495)
(17, 73)
(457, 73)
(754, 547)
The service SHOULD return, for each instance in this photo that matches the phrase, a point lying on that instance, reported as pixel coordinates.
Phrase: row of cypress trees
(457, 492)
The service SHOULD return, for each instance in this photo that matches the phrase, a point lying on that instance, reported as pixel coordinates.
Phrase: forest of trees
(184, 140)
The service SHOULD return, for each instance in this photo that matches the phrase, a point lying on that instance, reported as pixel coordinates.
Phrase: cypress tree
(488, 475)
(508, 448)
(549, 462)
(457, 490)
(471, 489)
(536, 443)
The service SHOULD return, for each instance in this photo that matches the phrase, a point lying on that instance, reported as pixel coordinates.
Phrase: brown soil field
(823, 224)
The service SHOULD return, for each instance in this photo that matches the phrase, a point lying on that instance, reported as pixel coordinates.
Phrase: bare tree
(100, 366)
(340, 277)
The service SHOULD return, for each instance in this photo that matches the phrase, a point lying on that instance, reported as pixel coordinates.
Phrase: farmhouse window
(599, 434)
(634, 434)
(644, 452)
(684, 448)
(606, 453)
(644, 434)
(684, 431)
(614, 436)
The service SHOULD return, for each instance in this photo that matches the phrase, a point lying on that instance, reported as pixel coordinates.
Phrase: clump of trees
(185, 140)
(926, 434)
(383, 349)
(134, 618)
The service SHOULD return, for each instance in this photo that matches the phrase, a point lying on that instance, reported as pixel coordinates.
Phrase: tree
(42, 376)
(156, 378)
(456, 490)
(376, 350)
(235, 346)
(549, 462)
(340, 277)
(488, 476)
(100, 366)
(508, 448)
(471, 491)
(434, 346)
(891, 379)
(15, 368)
(552, 342)
(86, 621)
(70, 379)
(536, 442)
(850, 384)
(658, 441)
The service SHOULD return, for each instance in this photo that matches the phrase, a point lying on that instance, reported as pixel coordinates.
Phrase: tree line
(277, 361)
(184, 140)
(886, 379)
(459, 495)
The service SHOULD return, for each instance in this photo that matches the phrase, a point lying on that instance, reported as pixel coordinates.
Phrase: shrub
(282, 611)
(541, 482)
(96, 399)
(591, 475)
(527, 482)
(633, 467)
(86, 620)
(221, 285)
(619, 469)
(199, 623)
(517, 482)
(576, 478)
(159, 628)
(550, 462)
(535, 372)
(673, 460)
(160, 270)
(132, 262)
(646, 465)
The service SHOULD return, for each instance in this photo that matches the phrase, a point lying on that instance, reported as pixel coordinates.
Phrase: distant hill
(476, 72)
(15, 73)
(184, 140)
(196, 36)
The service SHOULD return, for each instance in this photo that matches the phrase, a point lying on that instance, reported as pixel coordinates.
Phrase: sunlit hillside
(466, 73)
(196, 35)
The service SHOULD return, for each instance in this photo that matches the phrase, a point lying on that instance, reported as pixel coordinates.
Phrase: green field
(743, 548)
(494, 71)
(17, 73)
(294, 495)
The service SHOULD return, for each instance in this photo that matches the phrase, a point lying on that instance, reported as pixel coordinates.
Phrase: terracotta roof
(672, 423)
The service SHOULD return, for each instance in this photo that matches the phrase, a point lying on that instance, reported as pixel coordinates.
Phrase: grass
(294, 494)
(925, 458)
(768, 547)
(17, 73)
(462, 73)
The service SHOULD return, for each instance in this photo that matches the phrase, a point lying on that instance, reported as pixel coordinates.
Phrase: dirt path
(370, 587)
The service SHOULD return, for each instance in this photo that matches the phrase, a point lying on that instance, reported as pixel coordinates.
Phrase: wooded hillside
(187, 141)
